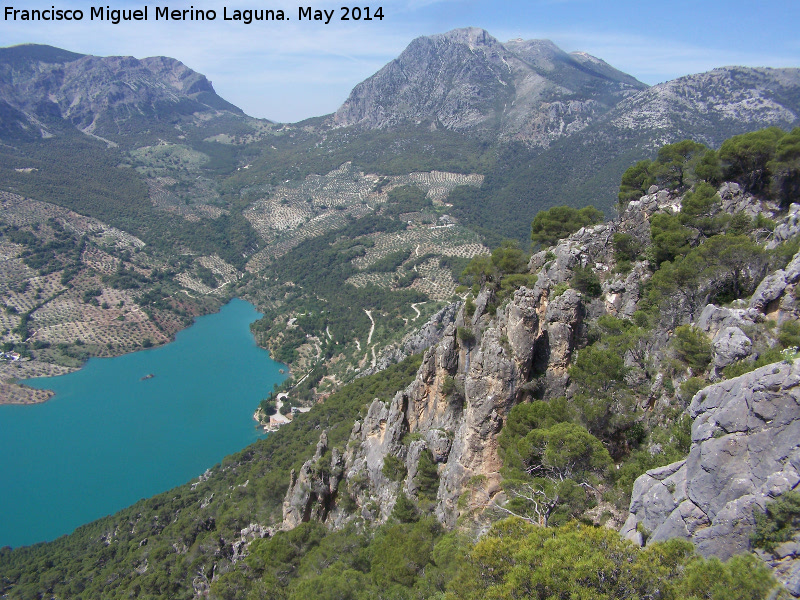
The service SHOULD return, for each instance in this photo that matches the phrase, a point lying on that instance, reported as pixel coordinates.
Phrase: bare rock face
(729, 345)
(99, 94)
(745, 450)
(312, 492)
(773, 287)
(453, 410)
(467, 80)
(715, 318)
(788, 228)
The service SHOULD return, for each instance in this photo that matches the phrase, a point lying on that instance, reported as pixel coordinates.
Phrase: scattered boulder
(729, 345)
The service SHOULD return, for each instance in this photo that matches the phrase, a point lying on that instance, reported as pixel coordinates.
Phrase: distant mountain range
(43, 89)
(546, 127)
(467, 80)
(535, 92)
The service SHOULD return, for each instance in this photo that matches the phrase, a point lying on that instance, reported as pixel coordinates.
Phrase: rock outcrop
(746, 432)
(312, 492)
(453, 410)
(745, 451)
(771, 294)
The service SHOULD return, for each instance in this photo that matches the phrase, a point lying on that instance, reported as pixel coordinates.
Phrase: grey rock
(537, 92)
(92, 92)
(790, 548)
(786, 229)
(729, 345)
(713, 318)
(791, 581)
(770, 289)
(311, 493)
(745, 450)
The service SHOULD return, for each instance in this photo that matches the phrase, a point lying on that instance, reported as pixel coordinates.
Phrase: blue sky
(287, 71)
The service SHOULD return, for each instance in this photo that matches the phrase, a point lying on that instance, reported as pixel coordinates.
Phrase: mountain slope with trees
(564, 377)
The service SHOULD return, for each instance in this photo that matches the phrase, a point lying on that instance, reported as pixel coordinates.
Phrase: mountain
(556, 383)
(44, 89)
(709, 107)
(585, 168)
(565, 125)
(467, 80)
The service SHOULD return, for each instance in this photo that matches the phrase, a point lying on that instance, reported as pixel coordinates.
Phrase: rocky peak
(466, 80)
(101, 95)
(471, 36)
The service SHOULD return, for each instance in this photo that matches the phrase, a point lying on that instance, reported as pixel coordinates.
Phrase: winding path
(416, 310)
(371, 329)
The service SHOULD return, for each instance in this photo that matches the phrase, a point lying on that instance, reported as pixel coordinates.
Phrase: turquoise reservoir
(108, 437)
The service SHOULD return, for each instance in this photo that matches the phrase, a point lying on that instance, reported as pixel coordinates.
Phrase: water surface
(109, 438)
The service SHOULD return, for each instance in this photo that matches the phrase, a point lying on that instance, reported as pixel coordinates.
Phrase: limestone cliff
(493, 358)
(745, 451)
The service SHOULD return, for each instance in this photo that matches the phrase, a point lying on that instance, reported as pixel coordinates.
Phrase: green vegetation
(519, 560)
(558, 222)
(550, 464)
(778, 523)
(692, 348)
(504, 271)
(762, 162)
(394, 468)
(85, 176)
(676, 167)
(318, 269)
(560, 458)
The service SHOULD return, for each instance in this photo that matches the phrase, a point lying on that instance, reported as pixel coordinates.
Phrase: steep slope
(105, 96)
(585, 168)
(589, 350)
(466, 80)
(709, 107)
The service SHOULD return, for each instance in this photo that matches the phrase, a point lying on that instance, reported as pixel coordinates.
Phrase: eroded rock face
(745, 451)
(312, 492)
(729, 345)
(774, 285)
(715, 318)
(454, 410)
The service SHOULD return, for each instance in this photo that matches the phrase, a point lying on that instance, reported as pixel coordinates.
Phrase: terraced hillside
(73, 287)
(296, 211)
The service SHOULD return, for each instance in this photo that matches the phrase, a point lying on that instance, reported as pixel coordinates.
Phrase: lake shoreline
(130, 437)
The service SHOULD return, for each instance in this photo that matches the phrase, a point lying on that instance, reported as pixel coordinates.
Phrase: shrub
(789, 334)
(394, 468)
(778, 522)
(585, 280)
(692, 347)
(466, 335)
(554, 224)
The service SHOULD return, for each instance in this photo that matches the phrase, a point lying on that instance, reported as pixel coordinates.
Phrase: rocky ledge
(745, 451)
